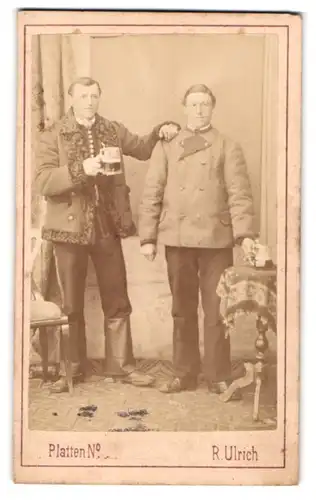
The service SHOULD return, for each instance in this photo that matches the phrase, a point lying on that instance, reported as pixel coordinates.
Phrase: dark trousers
(71, 265)
(191, 270)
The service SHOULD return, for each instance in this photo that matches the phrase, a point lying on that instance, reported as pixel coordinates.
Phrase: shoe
(138, 379)
(220, 388)
(59, 386)
(178, 384)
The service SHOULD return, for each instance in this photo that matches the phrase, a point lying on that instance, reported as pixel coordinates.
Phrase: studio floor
(187, 411)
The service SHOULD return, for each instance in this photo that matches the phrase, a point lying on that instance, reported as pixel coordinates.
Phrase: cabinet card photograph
(157, 248)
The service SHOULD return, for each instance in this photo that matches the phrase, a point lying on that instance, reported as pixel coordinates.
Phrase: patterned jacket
(197, 193)
(70, 193)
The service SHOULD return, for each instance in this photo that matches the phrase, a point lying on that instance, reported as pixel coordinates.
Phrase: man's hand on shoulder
(168, 131)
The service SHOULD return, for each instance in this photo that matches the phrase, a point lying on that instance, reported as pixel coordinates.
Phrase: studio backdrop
(144, 82)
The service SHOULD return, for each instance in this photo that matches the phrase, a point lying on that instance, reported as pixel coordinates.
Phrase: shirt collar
(200, 130)
(85, 122)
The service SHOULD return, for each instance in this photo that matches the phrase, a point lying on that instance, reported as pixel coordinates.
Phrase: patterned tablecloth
(245, 290)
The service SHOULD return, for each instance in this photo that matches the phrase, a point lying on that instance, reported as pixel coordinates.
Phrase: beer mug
(110, 160)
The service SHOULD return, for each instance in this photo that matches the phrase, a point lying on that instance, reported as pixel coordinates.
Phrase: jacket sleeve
(238, 187)
(51, 178)
(140, 147)
(153, 194)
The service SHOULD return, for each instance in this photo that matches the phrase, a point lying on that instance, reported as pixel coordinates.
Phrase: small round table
(245, 290)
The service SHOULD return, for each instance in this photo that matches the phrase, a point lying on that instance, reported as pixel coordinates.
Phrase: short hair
(83, 80)
(199, 87)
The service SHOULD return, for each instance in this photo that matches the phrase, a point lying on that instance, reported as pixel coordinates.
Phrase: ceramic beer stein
(111, 160)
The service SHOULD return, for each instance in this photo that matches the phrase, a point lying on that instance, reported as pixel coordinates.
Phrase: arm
(51, 178)
(151, 203)
(140, 147)
(239, 193)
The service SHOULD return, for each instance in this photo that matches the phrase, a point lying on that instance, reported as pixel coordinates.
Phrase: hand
(248, 245)
(168, 131)
(249, 248)
(91, 166)
(149, 250)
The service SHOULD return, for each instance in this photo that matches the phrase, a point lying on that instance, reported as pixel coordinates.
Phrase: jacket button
(181, 188)
(70, 217)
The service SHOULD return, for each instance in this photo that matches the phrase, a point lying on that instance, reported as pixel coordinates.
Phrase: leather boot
(120, 360)
(119, 348)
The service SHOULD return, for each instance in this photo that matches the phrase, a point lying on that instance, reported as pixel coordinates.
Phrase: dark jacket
(70, 193)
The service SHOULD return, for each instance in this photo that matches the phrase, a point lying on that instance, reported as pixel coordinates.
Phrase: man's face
(85, 100)
(198, 109)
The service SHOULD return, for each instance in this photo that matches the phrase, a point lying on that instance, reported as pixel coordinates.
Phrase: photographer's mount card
(169, 355)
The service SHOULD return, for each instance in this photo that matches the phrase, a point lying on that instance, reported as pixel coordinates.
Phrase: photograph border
(20, 248)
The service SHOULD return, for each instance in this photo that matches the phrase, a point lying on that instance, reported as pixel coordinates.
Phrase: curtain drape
(56, 61)
(54, 66)
(268, 216)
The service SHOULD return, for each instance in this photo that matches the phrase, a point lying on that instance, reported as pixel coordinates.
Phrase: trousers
(190, 271)
(71, 265)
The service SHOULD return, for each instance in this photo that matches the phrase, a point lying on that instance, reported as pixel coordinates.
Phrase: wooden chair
(46, 314)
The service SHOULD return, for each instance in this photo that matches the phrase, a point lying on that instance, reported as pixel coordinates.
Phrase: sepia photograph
(157, 257)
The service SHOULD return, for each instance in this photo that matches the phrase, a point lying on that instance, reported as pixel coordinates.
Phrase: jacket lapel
(195, 142)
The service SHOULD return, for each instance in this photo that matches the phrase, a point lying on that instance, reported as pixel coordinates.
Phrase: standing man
(197, 200)
(88, 211)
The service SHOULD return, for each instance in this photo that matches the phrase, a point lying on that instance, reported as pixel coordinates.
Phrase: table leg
(240, 383)
(261, 345)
